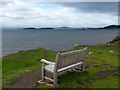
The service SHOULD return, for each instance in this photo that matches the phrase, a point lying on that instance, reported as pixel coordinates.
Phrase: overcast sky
(73, 14)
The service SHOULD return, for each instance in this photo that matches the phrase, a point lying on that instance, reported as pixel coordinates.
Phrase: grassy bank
(103, 59)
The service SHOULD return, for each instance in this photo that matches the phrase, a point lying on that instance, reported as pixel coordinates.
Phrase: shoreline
(47, 49)
(115, 40)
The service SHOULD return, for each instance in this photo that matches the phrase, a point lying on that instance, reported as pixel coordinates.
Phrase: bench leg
(55, 79)
(43, 73)
(82, 67)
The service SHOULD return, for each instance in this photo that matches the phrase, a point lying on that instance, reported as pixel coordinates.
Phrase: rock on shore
(116, 40)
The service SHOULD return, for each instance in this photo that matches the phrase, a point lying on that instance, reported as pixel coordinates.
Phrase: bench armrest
(47, 62)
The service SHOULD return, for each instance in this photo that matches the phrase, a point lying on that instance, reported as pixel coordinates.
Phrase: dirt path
(28, 80)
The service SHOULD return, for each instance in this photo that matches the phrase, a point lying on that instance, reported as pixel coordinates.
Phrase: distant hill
(64, 27)
(30, 28)
(92, 28)
(111, 27)
(46, 28)
(106, 27)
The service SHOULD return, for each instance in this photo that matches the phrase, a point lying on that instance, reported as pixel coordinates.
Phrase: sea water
(16, 40)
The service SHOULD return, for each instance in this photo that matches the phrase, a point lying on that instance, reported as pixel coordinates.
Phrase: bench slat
(68, 67)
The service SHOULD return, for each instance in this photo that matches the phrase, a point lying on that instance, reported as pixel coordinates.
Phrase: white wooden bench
(64, 62)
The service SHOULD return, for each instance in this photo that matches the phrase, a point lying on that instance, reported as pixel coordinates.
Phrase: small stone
(90, 53)
(111, 51)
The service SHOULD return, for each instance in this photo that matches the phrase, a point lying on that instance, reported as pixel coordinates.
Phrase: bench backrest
(69, 58)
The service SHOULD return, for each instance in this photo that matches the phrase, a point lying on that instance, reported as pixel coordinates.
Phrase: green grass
(111, 82)
(18, 63)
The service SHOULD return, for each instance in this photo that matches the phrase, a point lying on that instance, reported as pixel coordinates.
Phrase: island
(32, 28)
(46, 28)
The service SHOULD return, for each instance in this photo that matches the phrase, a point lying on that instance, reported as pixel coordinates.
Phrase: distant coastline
(37, 28)
(84, 28)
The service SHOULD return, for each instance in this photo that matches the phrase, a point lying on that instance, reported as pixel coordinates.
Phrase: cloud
(26, 14)
(93, 7)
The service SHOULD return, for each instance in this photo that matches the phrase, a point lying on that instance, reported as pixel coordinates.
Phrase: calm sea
(15, 40)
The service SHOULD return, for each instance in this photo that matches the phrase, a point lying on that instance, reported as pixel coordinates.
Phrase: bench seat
(51, 67)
